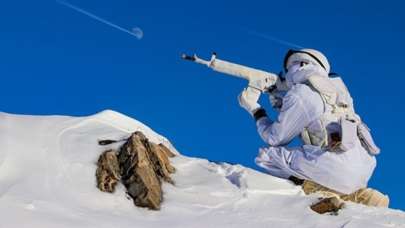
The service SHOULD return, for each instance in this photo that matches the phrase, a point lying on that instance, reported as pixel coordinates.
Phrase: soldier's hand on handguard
(248, 100)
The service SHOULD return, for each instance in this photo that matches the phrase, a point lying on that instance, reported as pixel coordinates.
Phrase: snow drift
(47, 179)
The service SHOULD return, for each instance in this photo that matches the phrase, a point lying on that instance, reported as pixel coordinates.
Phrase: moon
(138, 33)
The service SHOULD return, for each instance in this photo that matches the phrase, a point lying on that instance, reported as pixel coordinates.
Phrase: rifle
(261, 80)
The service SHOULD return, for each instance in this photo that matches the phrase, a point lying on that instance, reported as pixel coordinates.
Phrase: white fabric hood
(303, 73)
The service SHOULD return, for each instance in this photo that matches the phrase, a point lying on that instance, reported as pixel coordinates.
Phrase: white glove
(248, 99)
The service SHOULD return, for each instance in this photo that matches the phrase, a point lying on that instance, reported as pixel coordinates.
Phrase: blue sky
(54, 60)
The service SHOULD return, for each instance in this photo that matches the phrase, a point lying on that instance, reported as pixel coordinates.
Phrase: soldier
(337, 157)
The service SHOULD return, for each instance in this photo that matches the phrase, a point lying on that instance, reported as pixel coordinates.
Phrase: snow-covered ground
(47, 179)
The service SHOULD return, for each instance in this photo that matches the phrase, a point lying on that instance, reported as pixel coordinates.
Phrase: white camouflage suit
(302, 108)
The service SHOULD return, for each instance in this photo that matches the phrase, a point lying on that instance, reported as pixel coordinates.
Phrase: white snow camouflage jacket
(343, 172)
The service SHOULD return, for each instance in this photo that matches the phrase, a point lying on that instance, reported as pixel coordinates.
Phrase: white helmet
(306, 55)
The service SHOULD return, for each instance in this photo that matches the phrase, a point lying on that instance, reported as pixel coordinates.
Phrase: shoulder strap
(334, 93)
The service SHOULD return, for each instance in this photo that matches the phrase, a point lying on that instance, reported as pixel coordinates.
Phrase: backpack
(339, 109)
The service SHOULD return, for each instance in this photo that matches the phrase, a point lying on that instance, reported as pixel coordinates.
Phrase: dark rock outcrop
(108, 171)
(328, 205)
(142, 167)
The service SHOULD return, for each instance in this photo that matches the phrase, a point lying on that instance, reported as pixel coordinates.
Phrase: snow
(47, 179)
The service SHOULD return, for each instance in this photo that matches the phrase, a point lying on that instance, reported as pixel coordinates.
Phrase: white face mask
(294, 67)
(298, 74)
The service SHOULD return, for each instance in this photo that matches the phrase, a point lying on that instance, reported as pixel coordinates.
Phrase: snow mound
(47, 179)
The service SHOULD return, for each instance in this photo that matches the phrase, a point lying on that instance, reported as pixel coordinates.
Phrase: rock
(140, 165)
(331, 204)
(161, 162)
(108, 171)
(138, 172)
(166, 150)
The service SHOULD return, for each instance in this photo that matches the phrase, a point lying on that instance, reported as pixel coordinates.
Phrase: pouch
(366, 139)
(349, 133)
